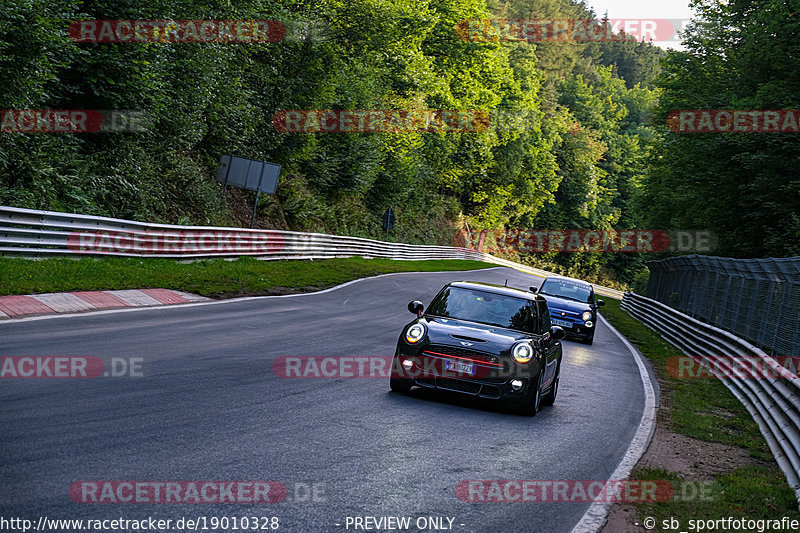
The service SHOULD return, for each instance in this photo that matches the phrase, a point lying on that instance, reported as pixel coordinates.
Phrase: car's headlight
(414, 333)
(587, 315)
(522, 352)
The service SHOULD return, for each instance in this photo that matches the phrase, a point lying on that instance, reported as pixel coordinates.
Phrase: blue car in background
(572, 306)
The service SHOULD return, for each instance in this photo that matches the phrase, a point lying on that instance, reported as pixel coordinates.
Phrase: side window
(544, 312)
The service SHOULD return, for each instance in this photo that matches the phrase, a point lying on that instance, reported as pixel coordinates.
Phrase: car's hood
(554, 302)
(482, 337)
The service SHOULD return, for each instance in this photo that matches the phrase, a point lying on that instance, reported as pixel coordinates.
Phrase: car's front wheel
(534, 400)
(400, 385)
(550, 397)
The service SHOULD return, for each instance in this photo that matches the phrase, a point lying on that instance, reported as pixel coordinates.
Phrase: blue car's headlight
(587, 315)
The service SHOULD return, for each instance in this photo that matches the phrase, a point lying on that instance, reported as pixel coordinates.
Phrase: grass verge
(215, 278)
(704, 409)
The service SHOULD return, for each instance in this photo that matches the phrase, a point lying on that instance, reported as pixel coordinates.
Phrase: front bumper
(578, 328)
(580, 332)
(488, 381)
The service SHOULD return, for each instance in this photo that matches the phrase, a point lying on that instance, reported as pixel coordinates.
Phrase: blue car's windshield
(563, 288)
(486, 308)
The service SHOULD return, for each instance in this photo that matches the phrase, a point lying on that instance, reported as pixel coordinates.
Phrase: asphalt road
(210, 407)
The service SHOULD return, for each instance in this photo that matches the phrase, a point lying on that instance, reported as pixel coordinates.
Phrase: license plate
(460, 366)
(557, 322)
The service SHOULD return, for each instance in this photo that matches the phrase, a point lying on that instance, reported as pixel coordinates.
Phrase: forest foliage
(587, 148)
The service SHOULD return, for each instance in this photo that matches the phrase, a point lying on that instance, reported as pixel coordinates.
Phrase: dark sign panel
(248, 174)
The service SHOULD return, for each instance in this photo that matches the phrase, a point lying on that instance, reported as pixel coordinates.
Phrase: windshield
(563, 288)
(486, 308)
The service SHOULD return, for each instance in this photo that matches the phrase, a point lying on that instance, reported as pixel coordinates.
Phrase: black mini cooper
(484, 340)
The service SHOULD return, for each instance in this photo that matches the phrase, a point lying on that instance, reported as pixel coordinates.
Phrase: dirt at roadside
(692, 459)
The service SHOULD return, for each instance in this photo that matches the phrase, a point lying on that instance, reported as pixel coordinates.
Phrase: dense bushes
(578, 155)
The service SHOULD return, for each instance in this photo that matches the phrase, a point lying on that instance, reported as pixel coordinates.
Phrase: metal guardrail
(29, 232)
(772, 399)
(757, 299)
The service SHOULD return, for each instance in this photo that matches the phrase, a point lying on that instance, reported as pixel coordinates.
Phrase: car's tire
(589, 340)
(550, 397)
(534, 401)
(400, 385)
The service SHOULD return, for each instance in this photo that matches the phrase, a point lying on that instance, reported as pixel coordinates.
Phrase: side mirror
(416, 307)
(534, 290)
(600, 303)
(557, 332)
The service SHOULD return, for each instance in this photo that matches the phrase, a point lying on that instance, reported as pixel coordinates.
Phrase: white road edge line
(595, 516)
(229, 300)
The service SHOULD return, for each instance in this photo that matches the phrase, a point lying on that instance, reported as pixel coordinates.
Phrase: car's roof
(496, 289)
(571, 280)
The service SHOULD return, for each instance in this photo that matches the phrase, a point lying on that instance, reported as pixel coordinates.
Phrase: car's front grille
(488, 391)
(439, 349)
(568, 315)
(459, 386)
